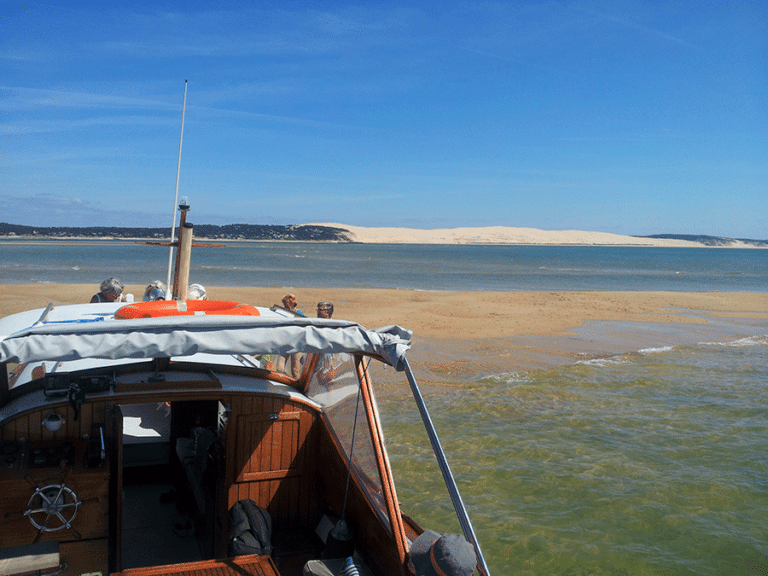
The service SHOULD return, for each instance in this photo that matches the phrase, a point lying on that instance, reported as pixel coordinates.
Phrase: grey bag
(250, 529)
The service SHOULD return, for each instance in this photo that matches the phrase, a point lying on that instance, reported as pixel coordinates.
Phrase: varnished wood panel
(252, 565)
(8, 432)
(272, 460)
(280, 476)
(35, 427)
(85, 557)
(91, 487)
(270, 449)
(116, 487)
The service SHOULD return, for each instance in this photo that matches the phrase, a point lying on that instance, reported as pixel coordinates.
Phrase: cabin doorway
(157, 521)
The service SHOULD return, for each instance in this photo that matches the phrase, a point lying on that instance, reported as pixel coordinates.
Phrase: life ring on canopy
(159, 308)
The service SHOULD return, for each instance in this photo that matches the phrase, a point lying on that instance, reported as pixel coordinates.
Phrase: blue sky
(632, 117)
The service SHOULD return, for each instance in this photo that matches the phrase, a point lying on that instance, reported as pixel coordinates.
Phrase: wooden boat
(126, 443)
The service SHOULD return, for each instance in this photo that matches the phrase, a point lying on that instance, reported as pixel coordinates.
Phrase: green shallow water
(647, 464)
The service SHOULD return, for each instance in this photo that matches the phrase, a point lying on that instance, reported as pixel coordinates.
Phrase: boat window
(335, 386)
(20, 374)
(56, 373)
(289, 364)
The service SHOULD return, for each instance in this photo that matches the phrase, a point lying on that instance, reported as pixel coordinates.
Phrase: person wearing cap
(324, 310)
(155, 290)
(111, 290)
(434, 554)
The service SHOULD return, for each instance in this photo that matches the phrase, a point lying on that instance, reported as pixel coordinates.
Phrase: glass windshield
(289, 364)
(335, 386)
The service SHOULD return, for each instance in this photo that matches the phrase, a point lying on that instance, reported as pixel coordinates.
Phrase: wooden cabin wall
(29, 425)
(281, 480)
(271, 459)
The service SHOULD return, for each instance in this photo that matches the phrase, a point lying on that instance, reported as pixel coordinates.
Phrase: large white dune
(505, 235)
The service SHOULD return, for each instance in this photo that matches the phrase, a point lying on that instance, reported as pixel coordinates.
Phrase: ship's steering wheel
(52, 508)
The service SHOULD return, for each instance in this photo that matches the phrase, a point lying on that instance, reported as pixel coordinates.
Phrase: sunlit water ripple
(653, 464)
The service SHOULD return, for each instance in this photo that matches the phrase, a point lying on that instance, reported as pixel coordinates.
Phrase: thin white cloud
(46, 209)
(627, 22)
(65, 125)
(274, 32)
(22, 98)
(30, 99)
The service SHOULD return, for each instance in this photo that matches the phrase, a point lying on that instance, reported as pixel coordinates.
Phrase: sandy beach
(457, 332)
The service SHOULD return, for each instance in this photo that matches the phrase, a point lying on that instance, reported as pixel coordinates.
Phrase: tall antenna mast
(176, 197)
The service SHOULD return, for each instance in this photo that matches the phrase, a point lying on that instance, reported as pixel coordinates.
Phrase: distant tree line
(301, 233)
(707, 240)
(227, 232)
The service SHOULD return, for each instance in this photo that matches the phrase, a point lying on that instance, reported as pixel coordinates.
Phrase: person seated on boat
(328, 364)
(289, 303)
(111, 290)
(155, 291)
(434, 554)
(196, 292)
(324, 310)
(295, 361)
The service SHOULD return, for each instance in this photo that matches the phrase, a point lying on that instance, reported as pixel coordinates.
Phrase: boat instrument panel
(16, 455)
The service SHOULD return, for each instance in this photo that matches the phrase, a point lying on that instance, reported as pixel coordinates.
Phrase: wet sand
(459, 333)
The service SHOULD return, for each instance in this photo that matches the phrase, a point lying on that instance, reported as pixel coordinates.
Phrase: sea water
(650, 464)
(418, 267)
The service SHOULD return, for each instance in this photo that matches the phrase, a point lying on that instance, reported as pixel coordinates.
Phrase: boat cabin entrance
(167, 477)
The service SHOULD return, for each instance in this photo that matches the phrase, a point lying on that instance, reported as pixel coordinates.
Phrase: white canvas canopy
(188, 335)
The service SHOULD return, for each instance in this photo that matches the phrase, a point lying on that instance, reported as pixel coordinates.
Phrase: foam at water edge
(659, 350)
(749, 341)
(602, 362)
(508, 378)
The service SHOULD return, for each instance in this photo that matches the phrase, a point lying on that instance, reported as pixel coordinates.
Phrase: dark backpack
(250, 529)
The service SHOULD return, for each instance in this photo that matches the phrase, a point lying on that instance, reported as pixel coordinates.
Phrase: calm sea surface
(652, 463)
(442, 267)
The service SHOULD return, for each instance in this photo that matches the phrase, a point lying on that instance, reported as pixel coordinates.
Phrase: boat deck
(148, 521)
(254, 565)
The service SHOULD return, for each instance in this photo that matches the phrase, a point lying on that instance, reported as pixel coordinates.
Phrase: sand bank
(458, 331)
(508, 235)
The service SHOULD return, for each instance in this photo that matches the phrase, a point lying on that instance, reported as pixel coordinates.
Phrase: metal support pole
(450, 481)
(176, 197)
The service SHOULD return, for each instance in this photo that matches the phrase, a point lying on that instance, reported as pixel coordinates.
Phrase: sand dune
(503, 235)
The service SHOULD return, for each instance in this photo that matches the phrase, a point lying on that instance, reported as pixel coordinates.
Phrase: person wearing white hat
(196, 292)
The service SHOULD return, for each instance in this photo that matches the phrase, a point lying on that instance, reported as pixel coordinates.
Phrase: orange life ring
(160, 308)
